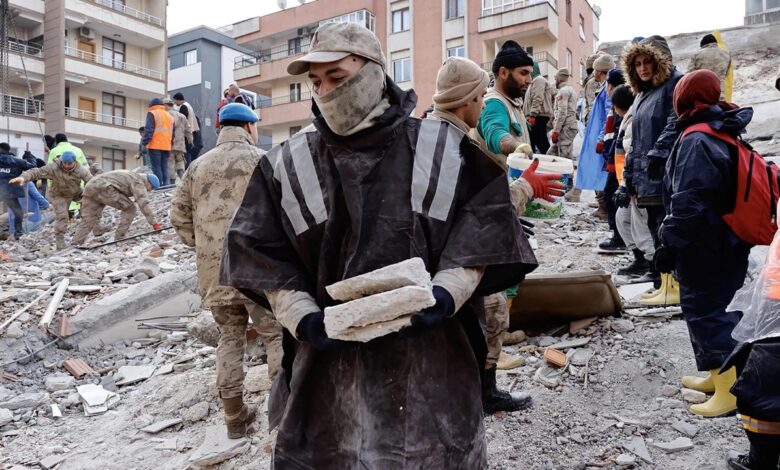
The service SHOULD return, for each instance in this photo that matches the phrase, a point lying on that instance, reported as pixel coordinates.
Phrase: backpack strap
(705, 128)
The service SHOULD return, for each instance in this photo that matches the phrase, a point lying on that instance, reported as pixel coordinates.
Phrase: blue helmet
(237, 112)
(68, 157)
(153, 180)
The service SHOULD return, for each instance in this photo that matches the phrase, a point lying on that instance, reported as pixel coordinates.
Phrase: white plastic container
(548, 164)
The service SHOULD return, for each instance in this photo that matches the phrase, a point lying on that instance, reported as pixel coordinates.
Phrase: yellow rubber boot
(655, 292)
(701, 384)
(668, 294)
(722, 403)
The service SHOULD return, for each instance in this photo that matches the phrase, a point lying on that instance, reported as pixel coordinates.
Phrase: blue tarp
(590, 169)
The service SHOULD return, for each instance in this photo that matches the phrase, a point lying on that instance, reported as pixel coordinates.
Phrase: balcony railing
(268, 102)
(538, 57)
(267, 55)
(102, 118)
(19, 47)
(113, 63)
(21, 106)
(122, 8)
(493, 7)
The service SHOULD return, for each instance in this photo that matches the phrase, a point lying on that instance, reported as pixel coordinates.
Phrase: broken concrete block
(51, 461)
(669, 391)
(411, 272)
(580, 357)
(84, 289)
(204, 328)
(638, 447)
(622, 326)
(23, 401)
(127, 375)
(363, 334)
(257, 379)
(688, 429)
(55, 383)
(568, 344)
(625, 460)
(168, 444)
(154, 428)
(548, 376)
(377, 309)
(96, 399)
(14, 330)
(677, 445)
(196, 412)
(56, 413)
(217, 447)
(693, 396)
(6, 416)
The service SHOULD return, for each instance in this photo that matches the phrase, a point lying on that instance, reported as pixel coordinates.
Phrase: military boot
(60, 241)
(494, 400)
(237, 417)
(573, 195)
(639, 266)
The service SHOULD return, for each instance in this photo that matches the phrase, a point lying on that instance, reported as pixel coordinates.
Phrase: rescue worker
(565, 123)
(201, 211)
(10, 168)
(502, 125)
(182, 106)
(712, 57)
(651, 73)
(708, 259)
(158, 138)
(66, 175)
(460, 88)
(63, 145)
(182, 138)
(538, 108)
(114, 189)
(350, 194)
(589, 88)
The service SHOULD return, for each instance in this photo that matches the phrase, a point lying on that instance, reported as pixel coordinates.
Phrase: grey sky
(620, 19)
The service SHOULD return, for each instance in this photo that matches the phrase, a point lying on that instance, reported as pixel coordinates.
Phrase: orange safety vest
(162, 139)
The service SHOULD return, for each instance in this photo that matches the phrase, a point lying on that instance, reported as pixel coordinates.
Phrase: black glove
(527, 226)
(655, 168)
(433, 316)
(664, 259)
(311, 329)
(621, 198)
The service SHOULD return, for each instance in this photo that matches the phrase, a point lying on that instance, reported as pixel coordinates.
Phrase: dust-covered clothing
(539, 98)
(500, 117)
(565, 124)
(182, 131)
(64, 183)
(203, 206)
(322, 208)
(176, 164)
(715, 59)
(114, 189)
(589, 91)
(496, 324)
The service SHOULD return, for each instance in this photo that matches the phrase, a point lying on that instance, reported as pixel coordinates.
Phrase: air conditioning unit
(86, 33)
(300, 32)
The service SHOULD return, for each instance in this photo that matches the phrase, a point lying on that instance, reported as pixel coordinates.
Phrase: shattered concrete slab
(127, 375)
(96, 399)
(376, 309)
(154, 428)
(23, 401)
(411, 272)
(638, 447)
(217, 447)
(678, 445)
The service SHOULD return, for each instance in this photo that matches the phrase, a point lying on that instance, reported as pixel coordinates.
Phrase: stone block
(411, 272)
(204, 328)
(377, 309)
(217, 447)
(56, 383)
(23, 401)
(6, 416)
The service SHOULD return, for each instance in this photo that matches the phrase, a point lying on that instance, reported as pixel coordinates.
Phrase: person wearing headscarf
(708, 259)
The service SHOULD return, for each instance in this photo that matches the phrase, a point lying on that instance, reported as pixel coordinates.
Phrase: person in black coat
(10, 168)
(709, 261)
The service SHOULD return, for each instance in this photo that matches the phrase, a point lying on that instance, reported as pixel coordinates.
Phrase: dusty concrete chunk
(638, 447)
(364, 334)
(217, 447)
(624, 460)
(6, 416)
(693, 396)
(677, 445)
(131, 374)
(23, 401)
(154, 428)
(411, 272)
(622, 326)
(84, 289)
(568, 344)
(688, 429)
(376, 309)
(55, 383)
(96, 399)
(257, 379)
(196, 412)
(204, 328)
(51, 461)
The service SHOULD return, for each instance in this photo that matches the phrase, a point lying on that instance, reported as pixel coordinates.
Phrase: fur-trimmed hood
(656, 48)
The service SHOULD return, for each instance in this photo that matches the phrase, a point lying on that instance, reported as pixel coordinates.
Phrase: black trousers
(609, 191)
(13, 204)
(655, 217)
(764, 450)
(539, 140)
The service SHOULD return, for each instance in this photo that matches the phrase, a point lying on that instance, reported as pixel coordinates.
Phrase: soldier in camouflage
(114, 189)
(211, 190)
(182, 137)
(565, 124)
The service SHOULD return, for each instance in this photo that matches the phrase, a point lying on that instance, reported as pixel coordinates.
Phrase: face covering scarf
(357, 103)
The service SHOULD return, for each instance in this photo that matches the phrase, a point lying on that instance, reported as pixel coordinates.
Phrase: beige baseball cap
(334, 41)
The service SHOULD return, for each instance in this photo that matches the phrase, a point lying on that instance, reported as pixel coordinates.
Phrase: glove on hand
(600, 147)
(157, 227)
(544, 186)
(433, 316)
(621, 198)
(664, 259)
(311, 329)
(554, 137)
(532, 121)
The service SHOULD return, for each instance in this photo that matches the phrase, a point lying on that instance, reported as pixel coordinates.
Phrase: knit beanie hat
(511, 56)
(604, 63)
(589, 61)
(459, 81)
(562, 74)
(707, 39)
(615, 77)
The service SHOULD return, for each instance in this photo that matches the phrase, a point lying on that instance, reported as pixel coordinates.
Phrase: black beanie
(707, 39)
(511, 56)
(178, 96)
(622, 97)
(58, 138)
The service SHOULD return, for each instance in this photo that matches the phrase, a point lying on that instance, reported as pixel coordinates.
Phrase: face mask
(351, 106)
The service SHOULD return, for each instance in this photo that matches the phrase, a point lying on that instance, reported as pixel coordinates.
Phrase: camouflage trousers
(92, 206)
(565, 145)
(176, 164)
(60, 206)
(496, 323)
(232, 321)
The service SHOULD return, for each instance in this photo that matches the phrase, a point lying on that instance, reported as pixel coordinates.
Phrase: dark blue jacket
(699, 188)
(10, 168)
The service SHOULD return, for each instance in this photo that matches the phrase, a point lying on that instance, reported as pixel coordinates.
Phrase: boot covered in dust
(494, 400)
(573, 195)
(59, 240)
(238, 416)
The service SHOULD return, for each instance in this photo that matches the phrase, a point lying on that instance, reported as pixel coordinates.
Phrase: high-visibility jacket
(162, 136)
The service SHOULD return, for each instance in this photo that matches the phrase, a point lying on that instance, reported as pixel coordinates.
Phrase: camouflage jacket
(64, 183)
(128, 183)
(182, 131)
(565, 108)
(713, 58)
(203, 207)
(538, 98)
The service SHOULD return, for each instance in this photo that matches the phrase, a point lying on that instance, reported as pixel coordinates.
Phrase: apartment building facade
(762, 11)
(416, 35)
(91, 67)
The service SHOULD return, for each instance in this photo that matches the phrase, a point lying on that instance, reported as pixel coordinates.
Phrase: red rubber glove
(554, 137)
(532, 121)
(157, 227)
(600, 147)
(544, 186)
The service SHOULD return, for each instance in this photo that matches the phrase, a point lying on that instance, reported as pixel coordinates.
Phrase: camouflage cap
(334, 41)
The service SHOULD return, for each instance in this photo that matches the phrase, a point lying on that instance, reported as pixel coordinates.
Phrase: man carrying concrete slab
(365, 187)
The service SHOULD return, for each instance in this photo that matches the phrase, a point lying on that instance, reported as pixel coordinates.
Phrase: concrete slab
(217, 447)
(631, 292)
(96, 399)
(154, 428)
(127, 375)
(112, 318)
(411, 272)
(677, 445)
